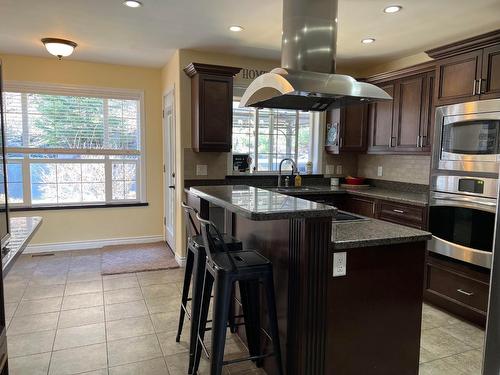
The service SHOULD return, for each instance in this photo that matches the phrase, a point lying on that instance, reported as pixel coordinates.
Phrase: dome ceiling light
(59, 47)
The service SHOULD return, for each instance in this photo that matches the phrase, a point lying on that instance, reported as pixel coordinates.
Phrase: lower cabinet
(405, 214)
(359, 205)
(457, 287)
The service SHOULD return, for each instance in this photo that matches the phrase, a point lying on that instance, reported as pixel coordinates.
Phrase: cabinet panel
(357, 205)
(490, 83)
(409, 112)
(412, 216)
(353, 128)
(381, 122)
(456, 78)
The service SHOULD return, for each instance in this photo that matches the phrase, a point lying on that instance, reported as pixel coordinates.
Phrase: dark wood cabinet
(404, 214)
(468, 70)
(351, 125)
(403, 125)
(211, 106)
(359, 205)
(490, 80)
(457, 287)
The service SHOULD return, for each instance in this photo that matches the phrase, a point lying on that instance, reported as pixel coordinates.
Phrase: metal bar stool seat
(193, 278)
(223, 269)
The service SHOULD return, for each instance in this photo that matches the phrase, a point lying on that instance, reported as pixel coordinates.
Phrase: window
(73, 146)
(270, 135)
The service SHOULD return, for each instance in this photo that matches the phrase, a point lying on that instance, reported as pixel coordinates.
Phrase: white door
(169, 167)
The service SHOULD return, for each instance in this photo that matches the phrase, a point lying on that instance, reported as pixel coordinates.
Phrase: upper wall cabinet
(403, 125)
(468, 70)
(211, 106)
(347, 129)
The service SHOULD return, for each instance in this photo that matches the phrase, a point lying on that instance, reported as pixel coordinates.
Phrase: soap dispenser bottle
(298, 179)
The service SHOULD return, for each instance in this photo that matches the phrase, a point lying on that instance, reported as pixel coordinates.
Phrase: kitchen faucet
(294, 168)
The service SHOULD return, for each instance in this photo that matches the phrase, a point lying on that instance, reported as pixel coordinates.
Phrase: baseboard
(180, 260)
(91, 244)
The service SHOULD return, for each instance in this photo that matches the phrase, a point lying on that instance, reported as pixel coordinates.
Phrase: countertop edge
(354, 244)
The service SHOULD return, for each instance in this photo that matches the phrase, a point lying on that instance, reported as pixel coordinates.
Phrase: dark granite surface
(373, 232)
(258, 204)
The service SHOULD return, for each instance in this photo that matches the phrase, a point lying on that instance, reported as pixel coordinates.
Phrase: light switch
(379, 171)
(339, 264)
(201, 169)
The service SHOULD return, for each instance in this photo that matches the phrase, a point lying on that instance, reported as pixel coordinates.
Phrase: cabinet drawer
(412, 216)
(471, 292)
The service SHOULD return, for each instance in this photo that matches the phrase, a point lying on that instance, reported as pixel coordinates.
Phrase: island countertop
(259, 204)
(373, 232)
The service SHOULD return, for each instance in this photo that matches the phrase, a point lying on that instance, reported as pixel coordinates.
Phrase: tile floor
(65, 318)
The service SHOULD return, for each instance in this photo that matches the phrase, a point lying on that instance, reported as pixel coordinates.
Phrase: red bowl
(354, 180)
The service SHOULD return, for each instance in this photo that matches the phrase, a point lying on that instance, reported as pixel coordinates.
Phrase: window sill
(76, 207)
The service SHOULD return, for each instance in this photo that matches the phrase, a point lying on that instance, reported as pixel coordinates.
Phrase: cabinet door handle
(474, 87)
(422, 140)
(418, 141)
(468, 294)
(398, 211)
(390, 140)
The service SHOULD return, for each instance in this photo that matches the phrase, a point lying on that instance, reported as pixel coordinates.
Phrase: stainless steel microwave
(467, 137)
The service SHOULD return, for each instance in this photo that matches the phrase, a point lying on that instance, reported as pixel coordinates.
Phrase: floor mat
(137, 258)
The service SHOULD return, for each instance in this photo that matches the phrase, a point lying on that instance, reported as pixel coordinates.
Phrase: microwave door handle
(482, 206)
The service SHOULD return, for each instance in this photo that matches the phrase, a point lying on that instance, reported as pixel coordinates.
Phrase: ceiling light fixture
(132, 3)
(392, 9)
(59, 47)
(367, 40)
(236, 28)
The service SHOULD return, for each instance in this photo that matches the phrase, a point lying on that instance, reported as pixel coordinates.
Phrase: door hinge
(164, 220)
(164, 168)
(163, 113)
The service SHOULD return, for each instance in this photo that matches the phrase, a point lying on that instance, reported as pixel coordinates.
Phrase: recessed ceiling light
(367, 40)
(59, 47)
(236, 28)
(132, 3)
(392, 9)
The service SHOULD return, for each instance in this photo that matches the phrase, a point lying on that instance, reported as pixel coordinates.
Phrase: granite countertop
(259, 204)
(22, 230)
(373, 232)
(420, 199)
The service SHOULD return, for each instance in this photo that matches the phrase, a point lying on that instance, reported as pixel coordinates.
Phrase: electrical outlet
(339, 264)
(339, 169)
(379, 171)
(330, 169)
(201, 169)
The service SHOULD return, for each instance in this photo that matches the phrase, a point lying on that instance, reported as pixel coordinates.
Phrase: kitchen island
(364, 322)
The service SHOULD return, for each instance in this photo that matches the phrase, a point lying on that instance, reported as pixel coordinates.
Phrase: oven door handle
(465, 202)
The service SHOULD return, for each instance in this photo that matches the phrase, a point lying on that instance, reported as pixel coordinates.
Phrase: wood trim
(428, 66)
(220, 70)
(455, 48)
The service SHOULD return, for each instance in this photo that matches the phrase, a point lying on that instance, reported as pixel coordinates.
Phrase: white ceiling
(107, 31)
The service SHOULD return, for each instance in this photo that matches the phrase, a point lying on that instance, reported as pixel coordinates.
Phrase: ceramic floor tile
(163, 304)
(134, 349)
(80, 317)
(37, 364)
(82, 300)
(442, 344)
(30, 343)
(469, 334)
(169, 346)
(39, 306)
(160, 290)
(10, 309)
(122, 295)
(124, 282)
(80, 336)
(33, 323)
(83, 287)
(155, 366)
(439, 367)
(153, 277)
(177, 364)
(433, 317)
(14, 293)
(44, 280)
(469, 362)
(168, 322)
(126, 310)
(78, 360)
(77, 276)
(130, 327)
(40, 292)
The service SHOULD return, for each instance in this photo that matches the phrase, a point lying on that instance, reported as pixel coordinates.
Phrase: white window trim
(92, 91)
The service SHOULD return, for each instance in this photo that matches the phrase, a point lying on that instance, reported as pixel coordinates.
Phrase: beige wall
(403, 168)
(102, 223)
(401, 63)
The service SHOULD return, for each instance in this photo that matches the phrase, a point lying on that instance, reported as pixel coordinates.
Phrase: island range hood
(307, 80)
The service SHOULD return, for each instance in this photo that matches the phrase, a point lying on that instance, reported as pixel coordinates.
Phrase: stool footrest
(251, 358)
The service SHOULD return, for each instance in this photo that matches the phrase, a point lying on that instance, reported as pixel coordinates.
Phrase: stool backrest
(191, 228)
(214, 241)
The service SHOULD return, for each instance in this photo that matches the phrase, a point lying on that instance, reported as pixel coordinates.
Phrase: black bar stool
(194, 274)
(224, 268)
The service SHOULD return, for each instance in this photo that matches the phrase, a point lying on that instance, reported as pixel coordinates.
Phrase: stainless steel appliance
(467, 137)
(307, 79)
(462, 211)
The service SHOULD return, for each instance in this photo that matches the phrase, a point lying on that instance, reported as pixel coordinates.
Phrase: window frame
(83, 91)
(312, 136)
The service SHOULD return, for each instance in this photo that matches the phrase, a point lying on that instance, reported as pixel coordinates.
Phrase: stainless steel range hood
(307, 79)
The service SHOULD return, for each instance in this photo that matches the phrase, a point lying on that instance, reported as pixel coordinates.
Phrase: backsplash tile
(404, 168)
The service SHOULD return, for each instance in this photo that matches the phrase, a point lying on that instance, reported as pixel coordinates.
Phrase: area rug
(137, 258)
